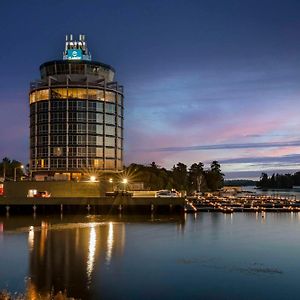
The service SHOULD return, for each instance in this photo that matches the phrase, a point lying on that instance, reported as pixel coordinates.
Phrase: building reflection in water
(64, 257)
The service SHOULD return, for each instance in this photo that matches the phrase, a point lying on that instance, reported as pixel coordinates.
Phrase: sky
(204, 80)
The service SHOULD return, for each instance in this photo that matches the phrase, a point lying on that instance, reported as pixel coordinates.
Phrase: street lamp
(15, 171)
(111, 182)
(125, 181)
(92, 178)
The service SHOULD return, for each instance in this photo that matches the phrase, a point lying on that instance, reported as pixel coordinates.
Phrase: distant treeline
(180, 177)
(279, 181)
(240, 182)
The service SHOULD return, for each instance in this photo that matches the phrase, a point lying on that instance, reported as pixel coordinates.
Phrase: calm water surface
(201, 256)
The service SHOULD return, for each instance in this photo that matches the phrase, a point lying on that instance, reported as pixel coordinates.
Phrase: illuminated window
(109, 164)
(98, 163)
(109, 96)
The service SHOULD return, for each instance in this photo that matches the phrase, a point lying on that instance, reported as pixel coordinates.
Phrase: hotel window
(81, 139)
(42, 129)
(42, 117)
(99, 140)
(72, 163)
(120, 110)
(99, 152)
(92, 139)
(77, 93)
(62, 68)
(81, 128)
(81, 163)
(110, 108)
(109, 164)
(119, 131)
(109, 141)
(99, 129)
(109, 152)
(72, 140)
(119, 154)
(110, 119)
(32, 109)
(72, 116)
(92, 105)
(120, 123)
(59, 93)
(81, 151)
(42, 106)
(92, 128)
(98, 163)
(58, 105)
(72, 151)
(99, 118)
(119, 143)
(58, 139)
(119, 165)
(81, 117)
(41, 95)
(92, 117)
(57, 151)
(81, 105)
(77, 68)
(42, 151)
(99, 106)
(110, 130)
(58, 128)
(92, 151)
(42, 140)
(109, 97)
(72, 105)
(58, 116)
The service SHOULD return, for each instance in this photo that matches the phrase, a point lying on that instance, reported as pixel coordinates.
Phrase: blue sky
(204, 80)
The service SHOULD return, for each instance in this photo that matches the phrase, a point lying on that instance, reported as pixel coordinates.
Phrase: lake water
(277, 192)
(194, 256)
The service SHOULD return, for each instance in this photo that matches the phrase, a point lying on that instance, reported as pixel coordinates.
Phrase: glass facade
(74, 127)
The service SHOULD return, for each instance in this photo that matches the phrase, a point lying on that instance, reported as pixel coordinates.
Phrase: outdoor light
(110, 180)
(125, 181)
(15, 171)
(93, 178)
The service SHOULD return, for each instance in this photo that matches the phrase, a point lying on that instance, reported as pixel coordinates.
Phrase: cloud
(226, 146)
(285, 159)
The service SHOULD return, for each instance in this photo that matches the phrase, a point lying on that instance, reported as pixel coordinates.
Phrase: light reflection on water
(205, 255)
(91, 254)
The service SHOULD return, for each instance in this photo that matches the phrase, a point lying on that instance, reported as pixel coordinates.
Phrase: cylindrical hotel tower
(76, 116)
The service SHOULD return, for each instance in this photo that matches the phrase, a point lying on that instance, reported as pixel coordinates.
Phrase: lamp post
(15, 171)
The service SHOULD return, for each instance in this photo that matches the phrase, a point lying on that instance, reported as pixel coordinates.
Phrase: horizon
(202, 82)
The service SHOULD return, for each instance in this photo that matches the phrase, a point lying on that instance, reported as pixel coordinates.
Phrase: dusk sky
(204, 80)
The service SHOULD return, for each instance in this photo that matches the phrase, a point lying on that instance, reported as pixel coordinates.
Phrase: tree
(214, 177)
(180, 176)
(195, 178)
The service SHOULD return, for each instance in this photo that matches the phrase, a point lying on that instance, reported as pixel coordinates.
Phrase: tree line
(180, 177)
(279, 181)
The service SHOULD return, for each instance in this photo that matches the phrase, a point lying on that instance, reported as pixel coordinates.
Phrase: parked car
(166, 193)
(42, 194)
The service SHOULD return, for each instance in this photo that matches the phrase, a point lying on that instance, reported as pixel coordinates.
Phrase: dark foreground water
(202, 256)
